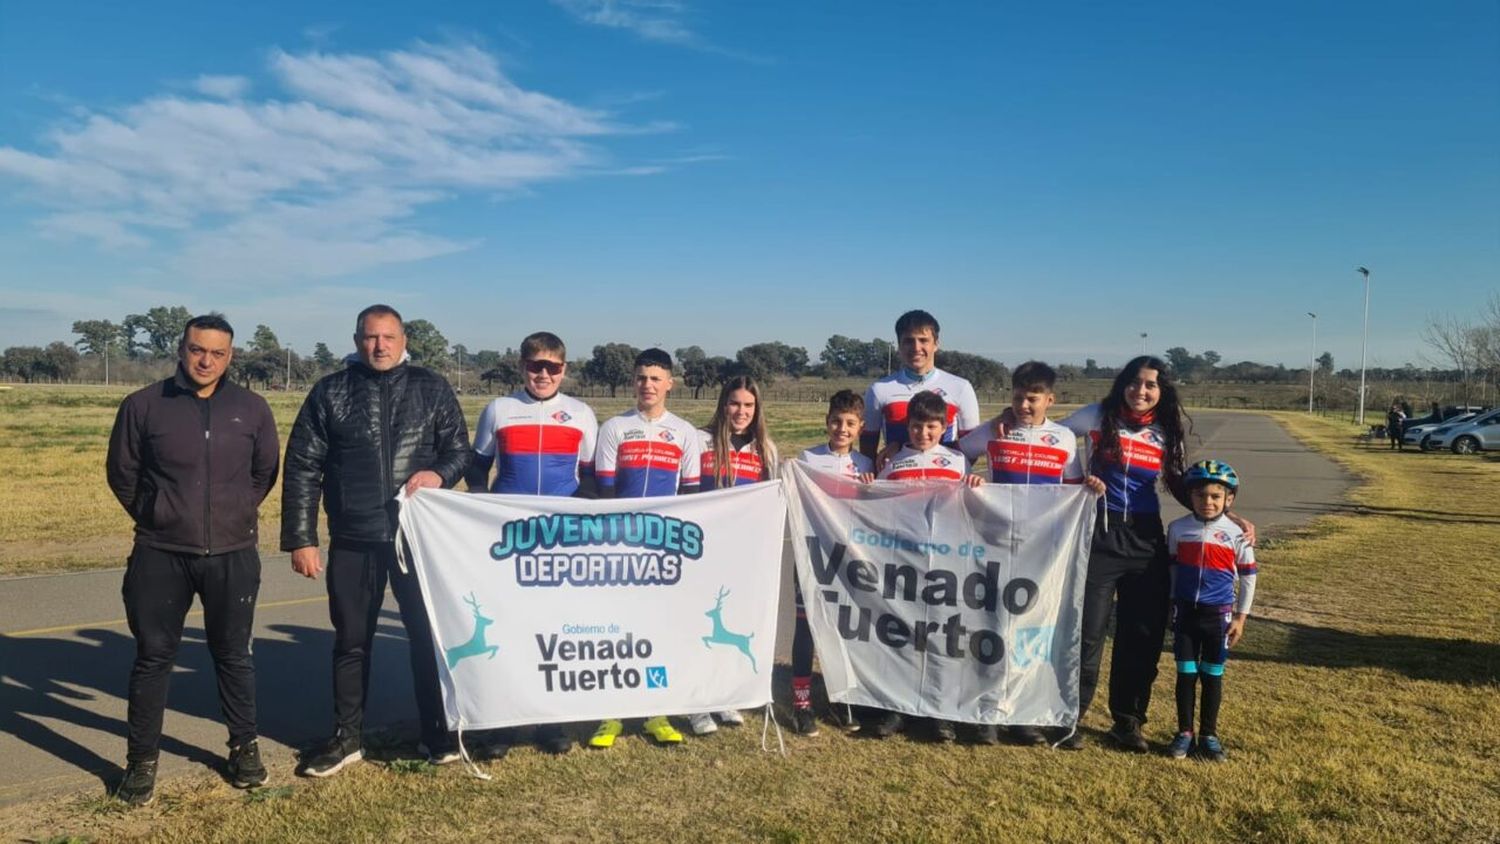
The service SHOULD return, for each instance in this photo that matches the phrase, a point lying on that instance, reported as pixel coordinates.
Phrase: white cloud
(223, 87)
(653, 20)
(320, 179)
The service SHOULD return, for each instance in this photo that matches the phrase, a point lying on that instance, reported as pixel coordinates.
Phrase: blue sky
(1050, 180)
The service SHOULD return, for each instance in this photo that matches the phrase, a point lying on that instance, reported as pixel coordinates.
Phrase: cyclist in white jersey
(886, 400)
(646, 452)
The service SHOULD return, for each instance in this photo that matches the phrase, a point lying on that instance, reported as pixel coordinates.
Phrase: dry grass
(1362, 706)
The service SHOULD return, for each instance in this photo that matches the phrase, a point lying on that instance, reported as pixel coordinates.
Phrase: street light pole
(1143, 342)
(1312, 362)
(1364, 345)
(288, 386)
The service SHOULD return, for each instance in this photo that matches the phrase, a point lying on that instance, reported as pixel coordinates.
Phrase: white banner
(937, 600)
(549, 610)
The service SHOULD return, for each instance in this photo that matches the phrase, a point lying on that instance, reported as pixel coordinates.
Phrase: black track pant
(1136, 589)
(357, 577)
(158, 591)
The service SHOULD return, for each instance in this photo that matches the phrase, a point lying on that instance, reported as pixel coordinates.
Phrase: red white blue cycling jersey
(939, 463)
(850, 465)
(745, 464)
(539, 447)
(642, 458)
(1129, 477)
(1040, 454)
(1208, 559)
(885, 405)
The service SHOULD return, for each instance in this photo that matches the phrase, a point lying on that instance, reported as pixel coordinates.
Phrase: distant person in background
(190, 459)
(1395, 420)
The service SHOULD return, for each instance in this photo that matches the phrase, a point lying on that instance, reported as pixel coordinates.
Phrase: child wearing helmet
(1210, 557)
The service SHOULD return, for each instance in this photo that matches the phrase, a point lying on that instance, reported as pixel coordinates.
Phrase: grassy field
(61, 516)
(1361, 706)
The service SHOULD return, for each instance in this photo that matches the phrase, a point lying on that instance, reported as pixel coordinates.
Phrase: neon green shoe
(605, 734)
(660, 729)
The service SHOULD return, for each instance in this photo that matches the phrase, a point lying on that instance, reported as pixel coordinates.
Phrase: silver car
(1482, 433)
(1417, 435)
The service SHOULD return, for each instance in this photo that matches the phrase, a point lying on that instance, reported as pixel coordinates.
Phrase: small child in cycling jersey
(1210, 557)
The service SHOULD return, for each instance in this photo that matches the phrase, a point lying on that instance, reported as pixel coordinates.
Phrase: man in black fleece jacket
(190, 459)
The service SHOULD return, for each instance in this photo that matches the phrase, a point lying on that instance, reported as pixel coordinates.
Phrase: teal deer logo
(721, 636)
(475, 646)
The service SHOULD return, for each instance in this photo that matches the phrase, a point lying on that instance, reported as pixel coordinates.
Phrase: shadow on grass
(1461, 661)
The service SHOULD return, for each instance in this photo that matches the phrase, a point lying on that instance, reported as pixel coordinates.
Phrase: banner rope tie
(765, 730)
(1071, 732)
(469, 760)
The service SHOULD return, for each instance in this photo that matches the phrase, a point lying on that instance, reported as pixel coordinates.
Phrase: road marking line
(42, 631)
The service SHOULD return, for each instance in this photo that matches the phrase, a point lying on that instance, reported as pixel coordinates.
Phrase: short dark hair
(654, 357)
(543, 341)
(376, 310)
(1033, 375)
(915, 321)
(846, 401)
(926, 406)
(212, 321)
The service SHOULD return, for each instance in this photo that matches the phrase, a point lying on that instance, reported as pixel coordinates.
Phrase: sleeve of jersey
(976, 442)
(604, 455)
(1082, 421)
(691, 469)
(874, 421)
(484, 430)
(589, 443)
(1246, 597)
(968, 411)
(1073, 465)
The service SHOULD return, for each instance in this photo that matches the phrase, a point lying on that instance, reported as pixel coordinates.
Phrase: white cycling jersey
(639, 457)
(540, 447)
(1037, 454)
(937, 463)
(850, 465)
(886, 400)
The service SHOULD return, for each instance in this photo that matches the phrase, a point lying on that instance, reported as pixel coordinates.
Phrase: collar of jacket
(182, 384)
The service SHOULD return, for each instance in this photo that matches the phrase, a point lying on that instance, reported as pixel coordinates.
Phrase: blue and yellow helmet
(1212, 472)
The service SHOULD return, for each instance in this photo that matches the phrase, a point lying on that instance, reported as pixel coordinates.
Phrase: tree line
(1465, 352)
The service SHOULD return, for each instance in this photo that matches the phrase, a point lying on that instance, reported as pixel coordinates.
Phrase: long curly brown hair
(1169, 414)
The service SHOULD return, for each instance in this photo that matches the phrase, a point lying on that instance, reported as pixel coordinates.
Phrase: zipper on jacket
(387, 455)
(208, 467)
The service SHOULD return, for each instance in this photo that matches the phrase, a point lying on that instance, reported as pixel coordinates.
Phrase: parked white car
(1482, 433)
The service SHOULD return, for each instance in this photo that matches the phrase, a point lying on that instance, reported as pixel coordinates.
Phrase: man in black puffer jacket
(361, 435)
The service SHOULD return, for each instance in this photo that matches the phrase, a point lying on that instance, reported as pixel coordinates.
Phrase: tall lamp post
(1144, 335)
(1364, 345)
(288, 386)
(1312, 362)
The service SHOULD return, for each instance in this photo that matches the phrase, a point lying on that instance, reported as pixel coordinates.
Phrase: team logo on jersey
(1152, 437)
(1222, 536)
(634, 435)
(942, 461)
(561, 416)
(937, 391)
(1049, 439)
(667, 435)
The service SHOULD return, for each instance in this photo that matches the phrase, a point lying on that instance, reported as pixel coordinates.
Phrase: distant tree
(1090, 368)
(1181, 361)
(982, 372)
(506, 371)
(426, 344)
(323, 357)
(162, 326)
(264, 340)
(58, 362)
(1210, 360)
(765, 362)
(612, 366)
(1069, 372)
(1325, 363)
(98, 336)
(697, 373)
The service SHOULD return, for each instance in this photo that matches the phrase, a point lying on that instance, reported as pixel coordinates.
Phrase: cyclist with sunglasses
(539, 442)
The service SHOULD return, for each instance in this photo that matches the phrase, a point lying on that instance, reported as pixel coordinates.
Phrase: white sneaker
(702, 724)
(731, 717)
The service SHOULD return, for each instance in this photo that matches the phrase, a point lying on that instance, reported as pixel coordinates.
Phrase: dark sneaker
(138, 786)
(550, 738)
(1181, 746)
(804, 723)
(884, 725)
(332, 756)
(944, 732)
(245, 768)
(1127, 736)
(1026, 735)
(1210, 749)
(1066, 739)
(987, 734)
